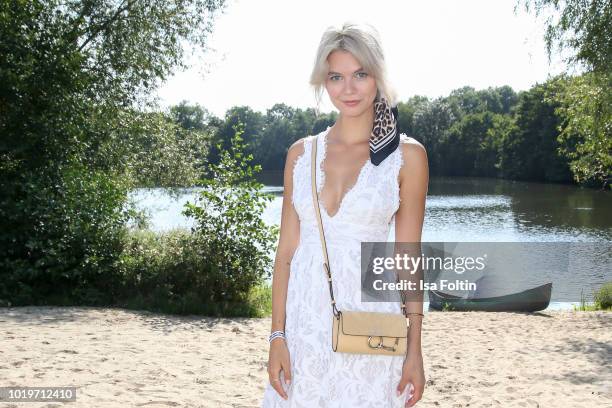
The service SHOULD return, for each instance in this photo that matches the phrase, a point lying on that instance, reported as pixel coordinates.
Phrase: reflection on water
(462, 210)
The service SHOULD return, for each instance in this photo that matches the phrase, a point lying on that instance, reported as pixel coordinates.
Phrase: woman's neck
(354, 129)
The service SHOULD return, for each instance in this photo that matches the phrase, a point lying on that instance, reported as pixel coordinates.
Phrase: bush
(230, 232)
(603, 297)
(62, 237)
(218, 267)
(168, 272)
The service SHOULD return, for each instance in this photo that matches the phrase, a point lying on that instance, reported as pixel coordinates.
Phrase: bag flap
(374, 324)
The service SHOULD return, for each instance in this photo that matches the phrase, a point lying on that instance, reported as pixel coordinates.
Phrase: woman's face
(348, 82)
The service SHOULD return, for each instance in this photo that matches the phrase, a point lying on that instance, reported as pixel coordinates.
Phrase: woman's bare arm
(414, 181)
(288, 240)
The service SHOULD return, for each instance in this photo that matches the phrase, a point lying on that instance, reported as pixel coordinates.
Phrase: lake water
(471, 210)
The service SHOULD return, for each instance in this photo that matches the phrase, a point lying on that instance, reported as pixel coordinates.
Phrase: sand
(122, 358)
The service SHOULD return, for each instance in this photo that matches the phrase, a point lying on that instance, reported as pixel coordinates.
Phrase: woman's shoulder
(413, 156)
(410, 147)
(411, 141)
(298, 147)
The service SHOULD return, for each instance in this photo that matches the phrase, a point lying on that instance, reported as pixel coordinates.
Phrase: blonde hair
(363, 41)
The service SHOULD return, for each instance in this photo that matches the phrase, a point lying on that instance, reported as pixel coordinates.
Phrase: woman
(361, 190)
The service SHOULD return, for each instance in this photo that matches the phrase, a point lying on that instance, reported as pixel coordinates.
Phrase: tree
(74, 79)
(250, 120)
(192, 117)
(586, 131)
(531, 150)
(583, 27)
(467, 148)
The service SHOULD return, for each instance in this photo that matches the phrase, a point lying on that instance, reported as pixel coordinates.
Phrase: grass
(602, 300)
(260, 300)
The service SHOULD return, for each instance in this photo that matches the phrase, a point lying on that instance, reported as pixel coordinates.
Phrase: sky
(261, 52)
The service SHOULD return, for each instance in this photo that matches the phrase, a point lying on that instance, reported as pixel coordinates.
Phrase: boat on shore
(530, 300)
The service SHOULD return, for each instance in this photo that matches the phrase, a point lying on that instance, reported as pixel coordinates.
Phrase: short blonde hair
(363, 41)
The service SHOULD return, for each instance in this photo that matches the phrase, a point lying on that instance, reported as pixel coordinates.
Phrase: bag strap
(315, 199)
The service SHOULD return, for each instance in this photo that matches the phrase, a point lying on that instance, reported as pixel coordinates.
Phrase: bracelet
(414, 313)
(275, 334)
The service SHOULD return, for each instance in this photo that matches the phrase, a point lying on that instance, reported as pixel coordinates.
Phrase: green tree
(75, 77)
(583, 28)
(192, 117)
(431, 122)
(468, 148)
(586, 131)
(531, 151)
(252, 123)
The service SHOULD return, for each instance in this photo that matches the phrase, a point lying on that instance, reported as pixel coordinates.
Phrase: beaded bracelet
(275, 334)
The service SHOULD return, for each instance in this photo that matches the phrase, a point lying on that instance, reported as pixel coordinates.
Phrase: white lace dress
(322, 378)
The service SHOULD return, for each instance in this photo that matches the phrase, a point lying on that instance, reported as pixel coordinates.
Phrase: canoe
(529, 300)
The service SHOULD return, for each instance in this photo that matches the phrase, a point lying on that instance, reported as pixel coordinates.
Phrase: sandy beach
(122, 358)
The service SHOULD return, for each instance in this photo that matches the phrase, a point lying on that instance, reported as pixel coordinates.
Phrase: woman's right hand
(278, 360)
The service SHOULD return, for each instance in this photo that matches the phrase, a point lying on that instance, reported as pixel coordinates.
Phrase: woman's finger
(416, 397)
(287, 371)
(404, 381)
(275, 380)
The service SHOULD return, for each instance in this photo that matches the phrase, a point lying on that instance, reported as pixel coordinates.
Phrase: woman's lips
(351, 103)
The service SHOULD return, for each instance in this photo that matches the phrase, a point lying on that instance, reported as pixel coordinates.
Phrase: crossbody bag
(359, 331)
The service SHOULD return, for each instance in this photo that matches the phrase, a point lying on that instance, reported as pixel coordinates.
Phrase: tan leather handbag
(356, 331)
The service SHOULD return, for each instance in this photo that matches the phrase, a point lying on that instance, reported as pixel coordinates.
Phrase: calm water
(471, 210)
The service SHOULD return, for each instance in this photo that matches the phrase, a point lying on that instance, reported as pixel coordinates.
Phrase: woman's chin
(352, 111)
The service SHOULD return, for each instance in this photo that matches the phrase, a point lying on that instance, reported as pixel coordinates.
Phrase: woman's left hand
(413, 373)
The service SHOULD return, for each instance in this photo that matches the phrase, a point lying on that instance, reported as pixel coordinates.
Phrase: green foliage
(74, 138)
(167, 272)
(229, 229)
(468, 148)
(580, 25)
(193, 117)
(251, 122)
(447, 307)
(218, 267)
(583, 28)
(585, 104)
(63, 238)
(268, 136)
(431, 121)
(492, 132)
(530, 151)
(152, 150)
(603, 297)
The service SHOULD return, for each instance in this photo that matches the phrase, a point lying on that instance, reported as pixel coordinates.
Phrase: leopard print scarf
(385, 135)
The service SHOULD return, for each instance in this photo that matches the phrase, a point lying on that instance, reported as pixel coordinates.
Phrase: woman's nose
(349, 86)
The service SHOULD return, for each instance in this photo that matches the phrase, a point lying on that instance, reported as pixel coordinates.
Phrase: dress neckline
(322, 143)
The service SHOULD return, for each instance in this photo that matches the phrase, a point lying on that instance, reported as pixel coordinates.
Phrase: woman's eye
(359, 75)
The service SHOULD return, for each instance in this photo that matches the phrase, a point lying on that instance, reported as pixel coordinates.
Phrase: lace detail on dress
(403, 139)
(303, 160)
(323, 378)
(321, 154)
(296, 163)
